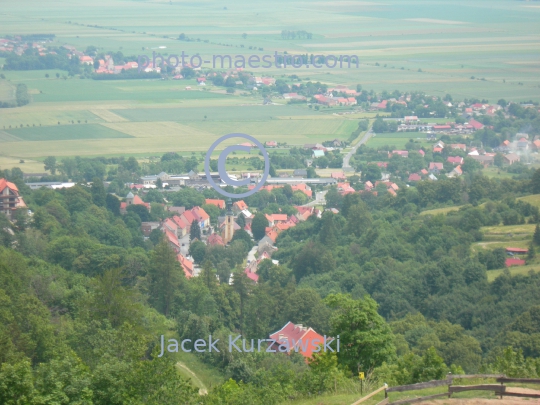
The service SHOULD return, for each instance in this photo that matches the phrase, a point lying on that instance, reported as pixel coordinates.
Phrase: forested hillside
(84, 298)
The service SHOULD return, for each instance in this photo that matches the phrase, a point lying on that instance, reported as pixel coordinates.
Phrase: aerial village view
(291, 202)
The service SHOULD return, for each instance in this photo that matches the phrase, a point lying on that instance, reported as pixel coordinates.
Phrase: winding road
(346, 165)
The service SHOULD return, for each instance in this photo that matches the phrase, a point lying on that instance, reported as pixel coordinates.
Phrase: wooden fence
(498, 389)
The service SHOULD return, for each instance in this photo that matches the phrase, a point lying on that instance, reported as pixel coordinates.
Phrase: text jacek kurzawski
(241, 345)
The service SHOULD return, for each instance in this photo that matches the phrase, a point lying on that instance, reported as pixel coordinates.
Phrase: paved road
(319, 199)
(251, 254)
(346, 166)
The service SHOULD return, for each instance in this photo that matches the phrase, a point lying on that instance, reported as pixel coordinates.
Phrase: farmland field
(7, 91)
(397, 139)
(66, 133)
(486, 49)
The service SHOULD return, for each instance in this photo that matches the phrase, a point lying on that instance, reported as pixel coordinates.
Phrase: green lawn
(514, 271)
(438, 211)
(66, 132)
(532, 199)
(213, 114)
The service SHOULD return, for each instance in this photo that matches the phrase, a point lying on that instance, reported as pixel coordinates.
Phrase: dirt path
(202, 388)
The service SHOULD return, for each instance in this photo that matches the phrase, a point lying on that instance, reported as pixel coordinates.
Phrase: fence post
(502, 385)
(385, 392)
(449, 377)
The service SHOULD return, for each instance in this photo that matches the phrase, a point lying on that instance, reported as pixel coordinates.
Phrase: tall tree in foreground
(165, 277)
(366, 340)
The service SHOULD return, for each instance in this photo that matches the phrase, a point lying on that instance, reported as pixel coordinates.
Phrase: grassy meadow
(437, 47)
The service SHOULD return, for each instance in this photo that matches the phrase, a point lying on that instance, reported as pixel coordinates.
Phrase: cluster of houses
(412, 123)
(18, 46)
(107, 66)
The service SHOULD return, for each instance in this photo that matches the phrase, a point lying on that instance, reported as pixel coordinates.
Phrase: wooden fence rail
(496, 388)
(456, 376)
(385, 386)
(420, 386)
(519, 380)
(485, 387)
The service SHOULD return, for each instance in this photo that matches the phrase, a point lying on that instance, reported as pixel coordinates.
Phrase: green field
(397, 139)
(438, 211)
(7, 91)
(532, 199)
(65, 133)
(449, 41)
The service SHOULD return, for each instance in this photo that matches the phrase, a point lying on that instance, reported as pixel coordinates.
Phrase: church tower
(228, 229)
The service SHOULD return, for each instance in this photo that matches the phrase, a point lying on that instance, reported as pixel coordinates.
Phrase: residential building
(10, 198)
(511, 158)
(132, 199)
(435, 167)
(218, 203)
(186, 264)
(298, 338)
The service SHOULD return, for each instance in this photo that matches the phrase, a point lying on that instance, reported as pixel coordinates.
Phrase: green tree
(208, 275)
(242, 235)
(195, 231)
(165, 277)
(372, 173)
(531, 254)
(50, 164)
(366, 340)
(498, 160)
(535, 182)
(16, 383)
(536, 236)
(259, 225)
(197, 250)
(113, 204)
(99, 195)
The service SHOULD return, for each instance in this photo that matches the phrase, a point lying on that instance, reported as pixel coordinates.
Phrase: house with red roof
(338, 175)
(298, 338)
(187, 265)
(271, 144)
(201, 216)
(218, 203)
(239, 206)
(460, 146)
(456, 172)
(421, 152)
(382, 105)
(86, 60)
(132, 199)
(414, 177)
(510, 262)
(517, 251)
(455, 160)
(172, 239)
(182, 226)
(435, 167)
(475, 124)
(10, 198)
(442, 127)
(215, 240)
(402, 153)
